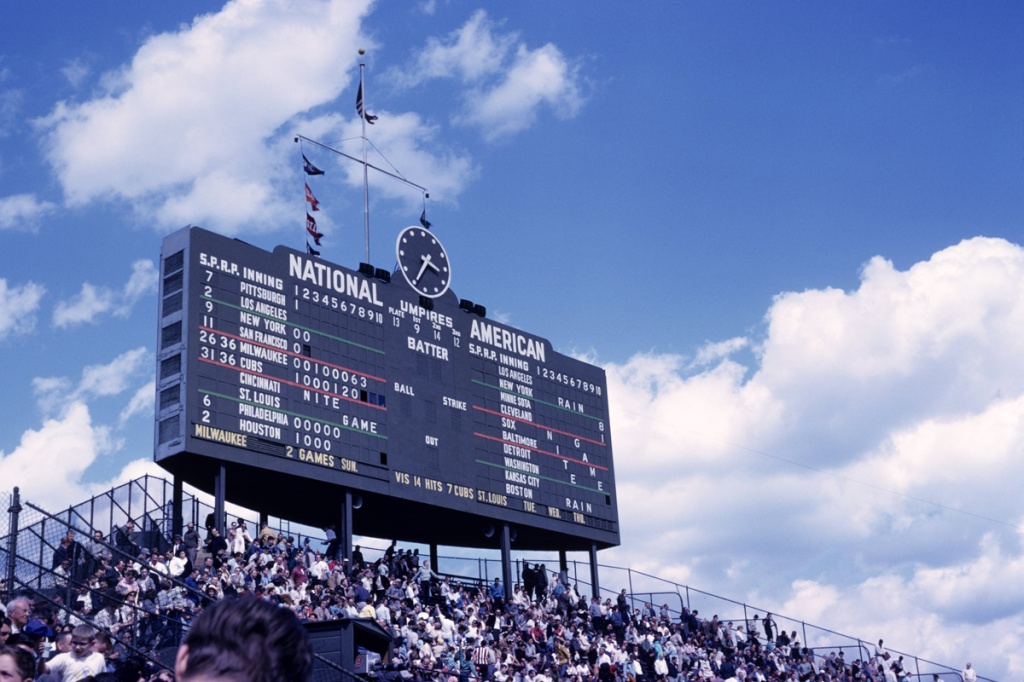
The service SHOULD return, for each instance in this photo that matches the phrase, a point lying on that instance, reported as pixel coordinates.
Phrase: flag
(359, 104)
(423, 219)
(310, 168)
(310, 250)
(311, 199)
(311, 228)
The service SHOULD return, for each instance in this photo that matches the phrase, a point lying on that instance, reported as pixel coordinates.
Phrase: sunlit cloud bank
(858, 473)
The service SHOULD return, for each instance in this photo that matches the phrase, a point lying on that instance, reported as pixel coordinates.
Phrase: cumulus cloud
(18, 307)
(93, 301)
(537, 77)
(23, 211)
(49, 462)
(90, 302)
(112, 378)
(141, 402)
(713, 351)
(859, 458)
(184, 132)
(412, 145)
(506, 82)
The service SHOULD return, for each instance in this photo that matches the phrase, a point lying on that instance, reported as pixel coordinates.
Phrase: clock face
(423, 261)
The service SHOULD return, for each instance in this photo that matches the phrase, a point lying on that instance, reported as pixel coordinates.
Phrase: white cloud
(537, 77)
(113, 378)
(93, 301)
(141, 402)
(711, 352)
(89, 303)
(856, 473)
(18, 306)
(411, 145)
(75, 71)
(22, 211)
(507, 82)
(143, 281)
(470, 53)
(49, 462)
(185, 131)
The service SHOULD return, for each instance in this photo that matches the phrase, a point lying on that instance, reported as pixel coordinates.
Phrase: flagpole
(366, 178)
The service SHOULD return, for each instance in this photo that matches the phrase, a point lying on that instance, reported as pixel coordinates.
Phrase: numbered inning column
(336, 380)
(572, 413)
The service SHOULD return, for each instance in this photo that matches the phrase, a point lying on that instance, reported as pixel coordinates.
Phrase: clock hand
(423, 268)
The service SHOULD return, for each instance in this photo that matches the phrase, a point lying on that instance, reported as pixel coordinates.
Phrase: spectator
(81, 661)
(245, 639)
(18, 611)
(190, 540)
(124, 539)
(16, 664)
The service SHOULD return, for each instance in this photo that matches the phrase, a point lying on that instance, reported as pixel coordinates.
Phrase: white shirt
(70, 669)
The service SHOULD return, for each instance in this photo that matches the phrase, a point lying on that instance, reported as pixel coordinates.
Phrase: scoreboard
(303, 378)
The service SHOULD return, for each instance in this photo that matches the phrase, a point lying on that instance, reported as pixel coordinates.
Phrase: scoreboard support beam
(345, 528)
(595, 585)
(219, 497)
(433, 556)
(506, 561)
(177, 513)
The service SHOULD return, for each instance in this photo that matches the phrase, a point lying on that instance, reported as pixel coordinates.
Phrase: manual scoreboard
(303, 377)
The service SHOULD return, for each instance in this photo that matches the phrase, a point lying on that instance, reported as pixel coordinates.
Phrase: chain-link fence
(69, 569)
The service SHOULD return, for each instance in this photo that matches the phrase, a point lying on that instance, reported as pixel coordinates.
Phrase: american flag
(359, 105)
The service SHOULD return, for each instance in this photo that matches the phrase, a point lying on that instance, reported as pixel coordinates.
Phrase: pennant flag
(311, 228)
(310, 168)
(310, 250)
(311, 199)
(359, 104)
(423, 219)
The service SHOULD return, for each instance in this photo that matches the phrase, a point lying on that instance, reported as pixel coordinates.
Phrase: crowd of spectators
(142, 598)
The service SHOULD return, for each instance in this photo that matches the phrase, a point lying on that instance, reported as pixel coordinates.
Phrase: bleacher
(30, 535)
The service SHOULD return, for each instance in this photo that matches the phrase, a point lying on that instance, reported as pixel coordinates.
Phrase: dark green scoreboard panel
(301, 375)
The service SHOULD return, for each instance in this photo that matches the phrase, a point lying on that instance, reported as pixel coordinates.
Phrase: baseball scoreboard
(303, 378)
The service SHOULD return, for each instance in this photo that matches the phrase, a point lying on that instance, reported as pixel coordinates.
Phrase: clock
(423, 261)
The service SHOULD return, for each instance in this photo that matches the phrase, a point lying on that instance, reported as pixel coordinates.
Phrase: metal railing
(30, 537)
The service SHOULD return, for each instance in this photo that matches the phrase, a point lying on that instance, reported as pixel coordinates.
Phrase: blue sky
(789, 231)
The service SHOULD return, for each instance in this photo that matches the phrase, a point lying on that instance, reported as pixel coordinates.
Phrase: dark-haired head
(245, 639)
